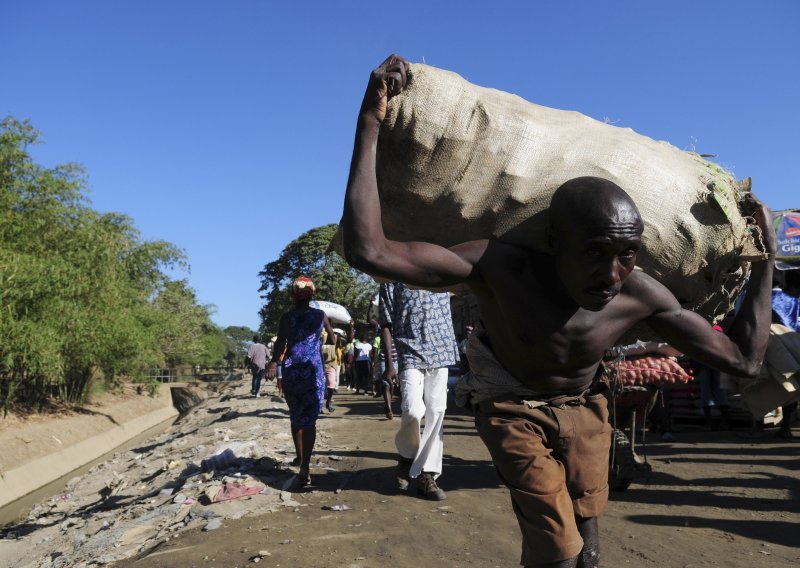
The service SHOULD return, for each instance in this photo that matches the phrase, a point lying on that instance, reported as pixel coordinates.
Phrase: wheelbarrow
(628, 411)
(635, 383)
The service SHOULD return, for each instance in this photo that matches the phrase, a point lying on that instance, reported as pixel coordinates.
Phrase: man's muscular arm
(365, 245)
(741, 350)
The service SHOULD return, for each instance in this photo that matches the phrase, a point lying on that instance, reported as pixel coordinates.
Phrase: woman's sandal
(304, 481)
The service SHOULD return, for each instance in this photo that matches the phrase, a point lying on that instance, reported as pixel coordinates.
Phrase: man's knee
(413, 409)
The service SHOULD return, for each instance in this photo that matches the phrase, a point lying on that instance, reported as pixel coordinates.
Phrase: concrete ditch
(26, 478)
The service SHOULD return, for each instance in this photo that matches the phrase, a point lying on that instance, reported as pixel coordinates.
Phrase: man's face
(594, 259)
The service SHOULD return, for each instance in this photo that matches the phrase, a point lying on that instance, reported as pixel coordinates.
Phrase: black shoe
(403, 473)
(330, 408)
(426, 487)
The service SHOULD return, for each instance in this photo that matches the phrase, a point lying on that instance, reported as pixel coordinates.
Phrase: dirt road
(714, 499)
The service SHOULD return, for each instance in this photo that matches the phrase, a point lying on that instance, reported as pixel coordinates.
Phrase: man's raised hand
(386, 81)
(753, 207)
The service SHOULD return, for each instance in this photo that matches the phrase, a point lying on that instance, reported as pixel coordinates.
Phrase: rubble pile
(228, 458)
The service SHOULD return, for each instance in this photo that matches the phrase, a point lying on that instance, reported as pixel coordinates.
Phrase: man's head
(595, 232)
(256, 339)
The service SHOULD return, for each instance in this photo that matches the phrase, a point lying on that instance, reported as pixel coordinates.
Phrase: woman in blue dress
(298, 348)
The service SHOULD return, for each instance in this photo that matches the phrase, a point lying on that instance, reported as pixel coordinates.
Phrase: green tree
(237, 340)
(310, 255)
(182, 323)
(82, 295)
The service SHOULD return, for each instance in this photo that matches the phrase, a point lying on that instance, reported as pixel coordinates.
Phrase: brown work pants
(554, 460)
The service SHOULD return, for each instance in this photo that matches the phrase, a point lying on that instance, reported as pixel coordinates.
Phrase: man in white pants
(421, 329)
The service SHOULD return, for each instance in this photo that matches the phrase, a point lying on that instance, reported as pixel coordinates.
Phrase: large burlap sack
(458, 162)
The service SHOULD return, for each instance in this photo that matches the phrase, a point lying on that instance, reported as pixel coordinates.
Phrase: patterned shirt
(422, 327)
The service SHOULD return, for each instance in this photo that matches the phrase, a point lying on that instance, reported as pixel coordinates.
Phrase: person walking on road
(256, 361)
(421, 328)
(330, 360)
(300, 343)
(362, 366)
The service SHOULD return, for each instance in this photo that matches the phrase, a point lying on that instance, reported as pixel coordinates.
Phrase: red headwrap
(302, 288)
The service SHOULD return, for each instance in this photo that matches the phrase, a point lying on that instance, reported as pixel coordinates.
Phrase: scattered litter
(194, 476)
(213, 524)
(336, 508)
(218, 462)
(237, 490)
(225, 455)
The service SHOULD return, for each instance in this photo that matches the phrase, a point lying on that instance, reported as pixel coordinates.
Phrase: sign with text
(787, 229)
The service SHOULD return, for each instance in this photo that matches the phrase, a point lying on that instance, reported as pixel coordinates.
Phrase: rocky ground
(714, 499)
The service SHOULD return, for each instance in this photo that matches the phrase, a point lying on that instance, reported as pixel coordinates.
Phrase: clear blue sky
(226, 127)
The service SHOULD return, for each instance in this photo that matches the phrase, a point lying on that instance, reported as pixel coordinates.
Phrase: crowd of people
(549, 319)
(411, 346)
(407, 349)
(550, 316)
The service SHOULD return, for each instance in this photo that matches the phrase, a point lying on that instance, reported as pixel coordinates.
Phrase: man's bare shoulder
(649, 292)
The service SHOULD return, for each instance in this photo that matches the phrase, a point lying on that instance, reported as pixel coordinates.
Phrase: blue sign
(787, 229)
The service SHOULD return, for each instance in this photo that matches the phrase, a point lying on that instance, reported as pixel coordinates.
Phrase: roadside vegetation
(85, 301)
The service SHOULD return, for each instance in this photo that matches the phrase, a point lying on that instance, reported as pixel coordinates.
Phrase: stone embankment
(41, 450)
(138, 498)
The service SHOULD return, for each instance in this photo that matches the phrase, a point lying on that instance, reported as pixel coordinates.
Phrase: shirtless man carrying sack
(550, 318)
